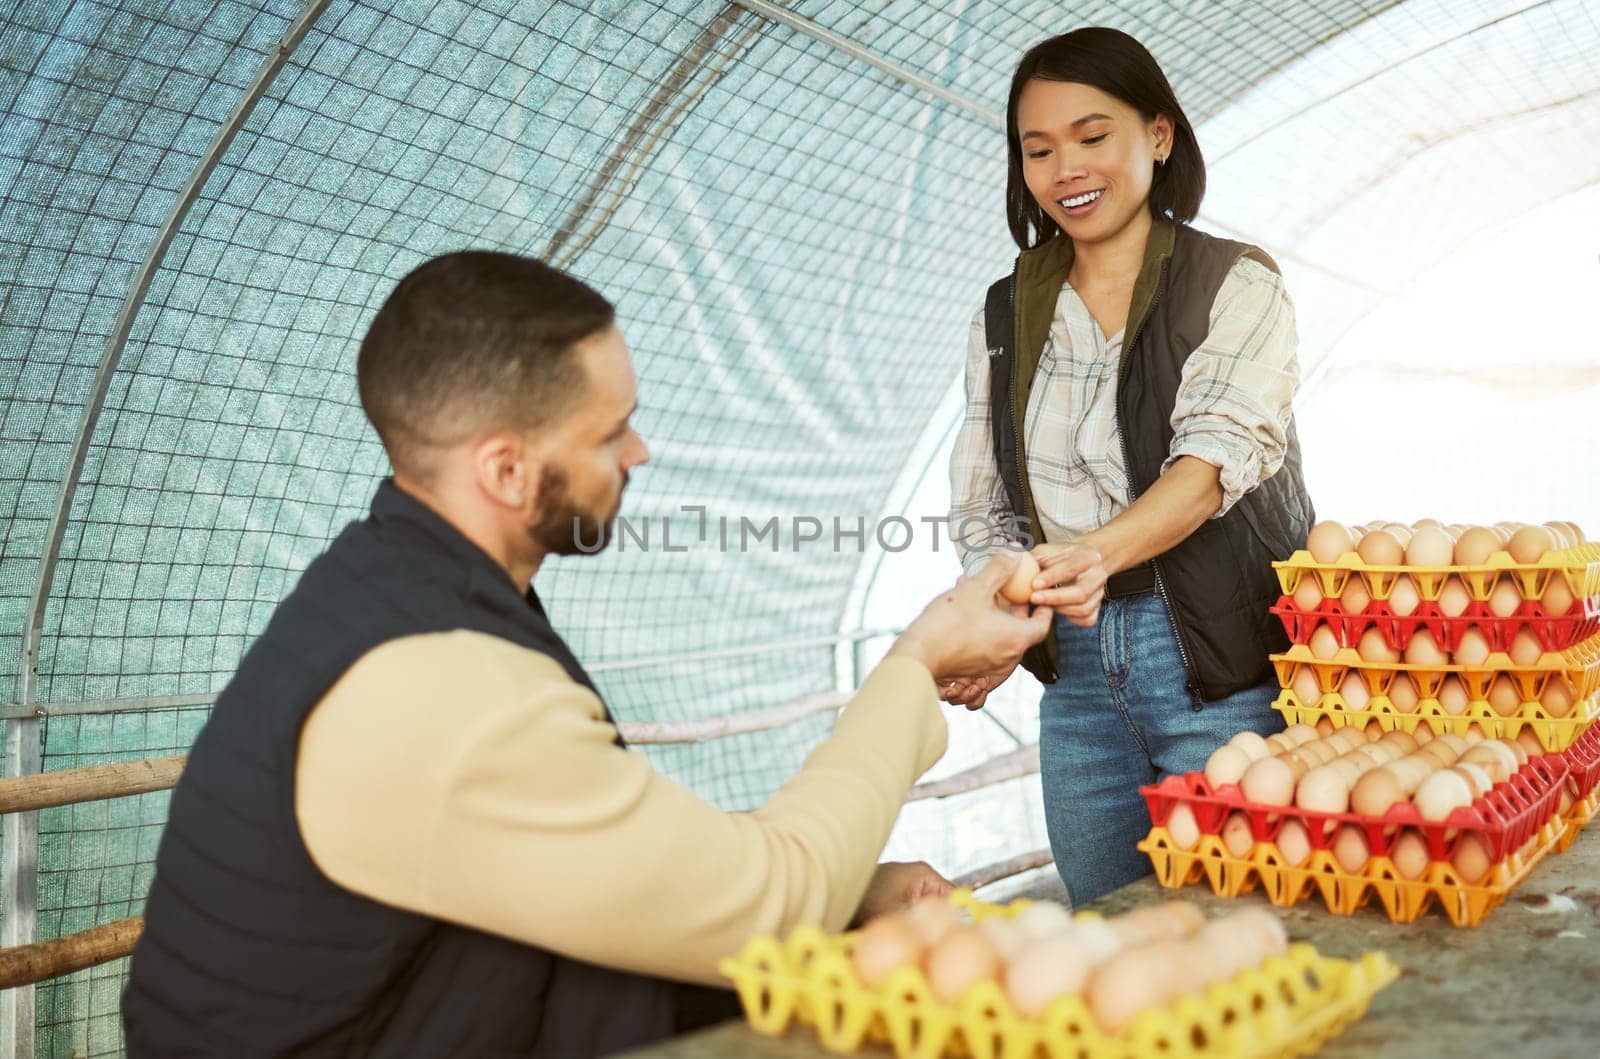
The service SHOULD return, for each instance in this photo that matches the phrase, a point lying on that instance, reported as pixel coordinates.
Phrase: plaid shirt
(1233, 410)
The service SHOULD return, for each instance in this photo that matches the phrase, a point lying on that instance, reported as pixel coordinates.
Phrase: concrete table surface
(1524, 983)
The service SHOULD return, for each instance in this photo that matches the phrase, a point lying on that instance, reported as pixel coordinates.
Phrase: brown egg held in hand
(1019, 586)
(882, 947)
(964, 958)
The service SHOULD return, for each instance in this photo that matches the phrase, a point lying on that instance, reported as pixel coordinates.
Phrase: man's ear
(506, 471)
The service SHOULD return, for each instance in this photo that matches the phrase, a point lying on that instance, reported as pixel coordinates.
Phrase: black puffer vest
(249, 949)
(1218, 583)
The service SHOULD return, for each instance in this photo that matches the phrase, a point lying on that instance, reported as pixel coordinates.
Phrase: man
(410, 827)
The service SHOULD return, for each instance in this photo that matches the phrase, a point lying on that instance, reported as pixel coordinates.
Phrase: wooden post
(42, 790)
(27, 964)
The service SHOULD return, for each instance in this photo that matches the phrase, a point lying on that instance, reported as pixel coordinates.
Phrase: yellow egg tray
(1403, 900)
(1554, 733)
(1289, 1006)
(1579, 567)
(1578, 817)
(1580, 664)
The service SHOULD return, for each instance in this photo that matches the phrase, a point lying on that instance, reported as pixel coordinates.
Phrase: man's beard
(564, 530)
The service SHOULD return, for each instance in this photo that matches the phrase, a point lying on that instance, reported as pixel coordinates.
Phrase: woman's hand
(1071, 581)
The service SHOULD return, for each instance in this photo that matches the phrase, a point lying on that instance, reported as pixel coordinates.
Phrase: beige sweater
(466, 778)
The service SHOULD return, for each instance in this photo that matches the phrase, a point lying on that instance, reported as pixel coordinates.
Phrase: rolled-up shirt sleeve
(1236, 397)
(980, 514)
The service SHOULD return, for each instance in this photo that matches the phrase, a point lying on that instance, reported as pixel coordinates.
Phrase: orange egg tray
(1503, 819)
(1579, 664)
(1579, 567)
(1554, 632)
(1288, 1006)
(1554, 733)
(1403, 900)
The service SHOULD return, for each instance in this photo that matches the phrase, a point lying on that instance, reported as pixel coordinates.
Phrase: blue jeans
(1118, 718)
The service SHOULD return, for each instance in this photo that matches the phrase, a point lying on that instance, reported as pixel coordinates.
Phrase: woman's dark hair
(1120, 66)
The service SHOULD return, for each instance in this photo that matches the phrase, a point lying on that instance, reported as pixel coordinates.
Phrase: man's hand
(969, 632)
(898, 885)
(973, 692)
(1072, 580)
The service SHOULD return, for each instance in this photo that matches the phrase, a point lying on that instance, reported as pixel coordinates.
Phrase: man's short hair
(472, 342)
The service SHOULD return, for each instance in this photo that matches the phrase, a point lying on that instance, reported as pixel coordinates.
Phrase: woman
(1155, 459)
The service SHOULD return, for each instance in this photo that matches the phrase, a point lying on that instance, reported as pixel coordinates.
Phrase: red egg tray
(1554, 632)
(1583, 762)
(1504, 819)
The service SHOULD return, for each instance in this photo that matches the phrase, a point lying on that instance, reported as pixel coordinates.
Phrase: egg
(1237, 836)
(1130, 982)
(1372, 647)
(1230, 948)
(1306, 689)
(883, 946)
(1506, 599)
(1096, 939)
(1265, 927)
(1226, 765)
(1323, 643)
(1557, 698)
(1350, 849)
(1328, 541)
(1323, 725)
(1429, 546)
(1182, 917)
(1529, 742)
(1005, 937)
(1404, 740)
(1252, 743)
(1307, 595)
(1452, 695)
(1042, 919)
(1317, 753)
(1560, 535)
(1526, 650)
(1422, 734)
(1473, 650)
(1517, 750)
(1354, 691)
(1381, 548)
(1423, 650)
(1477, 778)
(1474, 546)
(1019, 586)
(1376, 791)
(1455, 742)
(1293, 842)
(1504, 530)
(1403, 693)
(1410, 855)
(1269, 781)
(1454, 599)
(933, 918)
(960, 960)
(1323, 790)
(1300, 734)
(1399, 530)
(1504, 696)
(1355, 597)
(1530, 543)
(1183, 827)
(1489, 762)
(1471, 860)
(1051, 967)
(1349, 769)
(1442, 794)
(1404, 599)
(1557, 599)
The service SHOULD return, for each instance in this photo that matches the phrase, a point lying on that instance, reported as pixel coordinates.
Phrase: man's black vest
(249, 949)
(1218, 583)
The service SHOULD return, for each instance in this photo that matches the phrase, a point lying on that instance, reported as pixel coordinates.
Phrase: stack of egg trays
(1582, 759)
(1288, 1006)
(1516, 822)
(1579, 664)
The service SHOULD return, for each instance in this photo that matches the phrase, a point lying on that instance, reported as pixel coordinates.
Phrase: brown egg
(1424, 650)
(1452, 695)
(1402, 739)
(1442, 794)
(1307, 594)
(1403, 693)
(1350, 849)
(1049, 968)
(1299, 734)
(1454, 597)
(1526, 650)
(1474, 546)
(1346, 739)
(1019, 586)
(1399, 530)
(1305, 686)
(1323, 726)
(1372, 647)
(1404, 599)
(1323, 790)
(1490, 762)
(1252, 743)
(1272, 940)
(963, 958)
(1410, 855)
(1504, 698)
(1471, 860)
(1504, 530)
(1183, 827)
(883, 946)
(1355, 597)
(1006, 936)
(1381, 548)
(1557, 698)
(1041, 919)
(1293, 843)
(1429, 546)
(1354, 691)
(1576, 531)
(1237, 837)
(1231, 949)
(1130, 982)
(1517, 750)
(1557, 599)
(1506, 599)
(1560, 535)
(1529, 742)
(1226, 765)
(1422, 733)
(1529, 544)
(1376, 791)
(1328, 541)
(933, 918)
(1473, 650)
(1455, 742)
(1477, 777)
(1323, 643)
